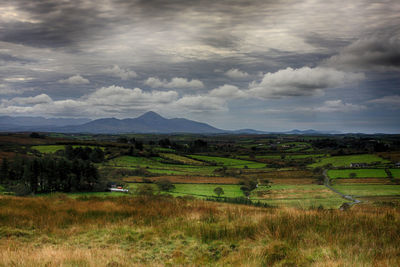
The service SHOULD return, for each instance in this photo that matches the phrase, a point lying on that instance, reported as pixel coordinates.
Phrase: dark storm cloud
(52, 23)
(380, 52)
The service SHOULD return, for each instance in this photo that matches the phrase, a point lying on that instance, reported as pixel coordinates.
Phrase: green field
(369, 190)
(46, 149)
(157, 166)
(299, 196)
(228, 162)
(345, 161)
(289, 157)
(360, 173)
(198, 190)
(181, 159)
(395, 173)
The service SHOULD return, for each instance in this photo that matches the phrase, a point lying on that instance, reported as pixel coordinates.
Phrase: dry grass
(293, 181)
(159, 231)
(185, 179)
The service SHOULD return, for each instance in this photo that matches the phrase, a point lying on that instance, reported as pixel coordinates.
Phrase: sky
(267, 65)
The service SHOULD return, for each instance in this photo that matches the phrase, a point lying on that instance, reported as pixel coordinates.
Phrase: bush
(165, 185)
(144, 190)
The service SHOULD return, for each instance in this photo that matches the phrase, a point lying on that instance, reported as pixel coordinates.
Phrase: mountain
(8, 123)
(311, 132)
(149, 122)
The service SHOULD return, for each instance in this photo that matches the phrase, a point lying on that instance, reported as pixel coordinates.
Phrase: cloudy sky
(268, 65)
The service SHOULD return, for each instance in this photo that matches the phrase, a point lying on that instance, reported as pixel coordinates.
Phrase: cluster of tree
(49, 174)
(37, 135)
(84, 153)
(137, 144)
(239, 200)
(247, 186)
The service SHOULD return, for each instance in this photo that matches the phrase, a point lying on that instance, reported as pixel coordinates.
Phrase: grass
(199, 190)
(395, 173)
(360, 173)
(46, 149)
(185, 179)
(364, 190)
(228, 162)
(157, 165)
(299, 196)
(181, 159)
(161, 231)
(344, 161)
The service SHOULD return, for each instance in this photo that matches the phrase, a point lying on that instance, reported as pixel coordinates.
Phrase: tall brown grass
(157, 231)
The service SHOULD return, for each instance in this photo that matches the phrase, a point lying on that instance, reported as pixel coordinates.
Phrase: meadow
(46, 149)
(164, 231)
(229, 162)
(366, 190)
(359, 173)
(395, 173)
(297, 195)
(345, 161)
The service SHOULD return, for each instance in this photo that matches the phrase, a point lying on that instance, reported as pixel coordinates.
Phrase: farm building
(113, 187)
(358, 165)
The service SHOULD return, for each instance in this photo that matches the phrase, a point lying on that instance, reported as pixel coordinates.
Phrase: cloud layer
(231, 59)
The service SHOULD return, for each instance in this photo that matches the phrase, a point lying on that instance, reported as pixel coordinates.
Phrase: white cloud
(175, 82)
(39, 99)
(124, 74)
(236, 74)
(304, 81)
(18, 79)
(120, 96)
(76, 79)
(327, 106)
(392, 101)
(228, 92)
(106, 101)
(200, 103)
(338, 106)
(7, 90)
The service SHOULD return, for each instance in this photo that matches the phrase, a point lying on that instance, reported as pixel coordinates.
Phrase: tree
(144, 190)
(165, 185)
(353, 175)
(218, 191)
(4, 170)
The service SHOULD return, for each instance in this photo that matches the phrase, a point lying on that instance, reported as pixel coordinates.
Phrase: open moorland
(230, 200)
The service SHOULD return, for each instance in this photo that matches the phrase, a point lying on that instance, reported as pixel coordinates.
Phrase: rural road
(348, 197)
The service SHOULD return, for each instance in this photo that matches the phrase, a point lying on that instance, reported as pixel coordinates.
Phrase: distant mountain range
(149, 122)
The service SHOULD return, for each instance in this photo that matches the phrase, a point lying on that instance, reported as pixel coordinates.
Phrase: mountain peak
(150, 115)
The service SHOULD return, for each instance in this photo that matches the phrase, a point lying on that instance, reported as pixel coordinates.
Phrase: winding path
(348, 197)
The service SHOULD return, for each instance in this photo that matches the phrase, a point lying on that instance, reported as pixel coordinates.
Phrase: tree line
(73, 172)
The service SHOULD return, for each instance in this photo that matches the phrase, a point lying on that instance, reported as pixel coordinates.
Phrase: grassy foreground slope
(127, 231)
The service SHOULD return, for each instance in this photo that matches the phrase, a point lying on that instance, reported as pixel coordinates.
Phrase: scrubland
(164, 231)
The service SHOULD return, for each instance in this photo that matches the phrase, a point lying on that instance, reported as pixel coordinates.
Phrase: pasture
(298, 196)
(395, 173)
(365, 190)
(359, 173)
(228, 162)
(46, 149)
(345, 161)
